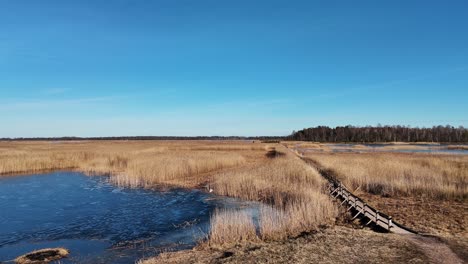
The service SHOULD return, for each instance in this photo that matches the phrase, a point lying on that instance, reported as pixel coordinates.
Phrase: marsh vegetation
(393, 174)
(427, 192)
(293, 193)
(293, 196)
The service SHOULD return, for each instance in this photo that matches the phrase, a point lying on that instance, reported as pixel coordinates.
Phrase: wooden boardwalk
(437, 251)
(363, 210)
(356, 204)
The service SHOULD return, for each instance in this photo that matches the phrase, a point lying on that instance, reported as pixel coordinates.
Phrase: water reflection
(97, 221)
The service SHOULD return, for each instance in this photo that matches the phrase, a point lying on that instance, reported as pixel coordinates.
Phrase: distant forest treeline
(443, 134)
(447, 134)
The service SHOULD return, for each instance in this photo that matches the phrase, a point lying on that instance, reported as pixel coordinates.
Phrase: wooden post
(345, 199)
(390, 224)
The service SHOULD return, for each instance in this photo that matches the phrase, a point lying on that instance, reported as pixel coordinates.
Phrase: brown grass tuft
(231, 227)
(292, 189)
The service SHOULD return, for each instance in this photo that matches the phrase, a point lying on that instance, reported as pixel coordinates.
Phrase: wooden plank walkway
(437, 251)
(351, 201)
(362, 209)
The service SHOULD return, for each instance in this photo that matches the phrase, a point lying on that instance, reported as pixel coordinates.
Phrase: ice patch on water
(132, 222)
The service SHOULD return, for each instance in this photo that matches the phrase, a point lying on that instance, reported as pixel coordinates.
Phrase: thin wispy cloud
(338, 93)
(271, 102)
(54, 91)
(39, 104)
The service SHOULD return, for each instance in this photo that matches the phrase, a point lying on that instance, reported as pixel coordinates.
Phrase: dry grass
(302, 144)
(425, 192)
(293, 190)
(426, 215)
(247, 170)
(394, 174)
(178, 168)
(132, 163)
(231, 227)
(273, 223)
(274, 181)
(333, 245)
(293, 193)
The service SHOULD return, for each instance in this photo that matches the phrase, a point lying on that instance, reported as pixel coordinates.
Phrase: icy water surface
(405, 148)
(97, 221)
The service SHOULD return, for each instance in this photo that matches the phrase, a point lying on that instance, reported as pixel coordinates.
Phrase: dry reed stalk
(273, 223)
(231, 227)
(392, 174)
(293, 189)
(130, 163)
(174, 167)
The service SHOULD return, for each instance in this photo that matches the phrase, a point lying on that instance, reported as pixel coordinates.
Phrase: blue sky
(186, 68)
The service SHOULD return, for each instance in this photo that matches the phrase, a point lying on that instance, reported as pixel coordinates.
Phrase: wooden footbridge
(355, 204)
(364, 211)
(437, 251)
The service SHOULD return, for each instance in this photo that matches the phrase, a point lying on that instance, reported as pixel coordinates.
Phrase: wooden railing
(362, 209)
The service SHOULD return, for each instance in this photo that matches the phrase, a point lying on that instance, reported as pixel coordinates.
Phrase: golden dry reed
(133, 163)
(231, 226)
(391, 174)
(292, 191)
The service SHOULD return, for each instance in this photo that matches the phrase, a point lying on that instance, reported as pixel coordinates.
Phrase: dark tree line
(447, 134)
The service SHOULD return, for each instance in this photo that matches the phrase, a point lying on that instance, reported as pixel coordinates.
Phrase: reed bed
(293, 192)
(130, 163)
(179, 168)
(394, 174)
(231, 226)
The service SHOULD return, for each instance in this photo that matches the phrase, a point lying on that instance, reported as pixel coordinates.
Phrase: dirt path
(436, 250)
(328, 246)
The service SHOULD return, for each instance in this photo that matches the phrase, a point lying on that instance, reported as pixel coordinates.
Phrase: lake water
(404, 148)
(99, 222)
